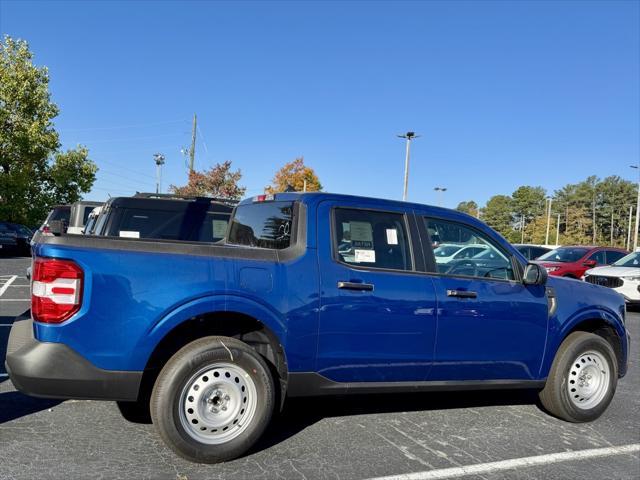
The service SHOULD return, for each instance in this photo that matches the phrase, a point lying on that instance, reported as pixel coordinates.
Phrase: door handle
(461, 294)
(367, 287)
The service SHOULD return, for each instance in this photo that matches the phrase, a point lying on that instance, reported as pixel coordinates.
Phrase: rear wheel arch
(243, 327)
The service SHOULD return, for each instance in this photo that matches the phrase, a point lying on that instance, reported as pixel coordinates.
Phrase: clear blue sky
(503, 93)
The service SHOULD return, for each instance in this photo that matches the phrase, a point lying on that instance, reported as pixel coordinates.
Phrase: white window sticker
(365, 256)
(129, 234)
(361, 231)
(392, 236)
(219, 228)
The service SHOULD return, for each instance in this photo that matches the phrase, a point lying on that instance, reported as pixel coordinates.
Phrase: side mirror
(535, 274)
(590, 263)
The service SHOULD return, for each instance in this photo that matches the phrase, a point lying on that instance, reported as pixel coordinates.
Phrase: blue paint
(406, 329)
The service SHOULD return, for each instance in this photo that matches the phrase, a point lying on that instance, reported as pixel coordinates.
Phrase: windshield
(565, 254)
(446, 250)
(631, 260)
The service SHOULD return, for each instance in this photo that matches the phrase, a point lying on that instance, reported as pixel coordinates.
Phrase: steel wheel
(217, 403)
(588, 380)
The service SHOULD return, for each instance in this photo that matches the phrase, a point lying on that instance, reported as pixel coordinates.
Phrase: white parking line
(7, 284)
(15, 299)
(524, 462)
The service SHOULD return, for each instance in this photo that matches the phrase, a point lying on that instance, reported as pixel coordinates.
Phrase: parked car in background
(308, 294)
(623, 276)
(8, 240)
(79, 214)
(531, 252)
(574, 261)
(60, 213)
(449, 252)
(23, 237)
(164, 217)
(92, 221)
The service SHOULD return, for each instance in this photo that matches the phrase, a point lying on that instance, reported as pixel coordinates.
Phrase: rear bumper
(53, 370)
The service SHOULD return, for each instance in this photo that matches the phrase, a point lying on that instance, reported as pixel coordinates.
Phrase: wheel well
(603, 329)
(229, 324)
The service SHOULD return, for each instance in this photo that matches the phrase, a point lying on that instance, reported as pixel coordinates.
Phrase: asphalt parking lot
(444, 435)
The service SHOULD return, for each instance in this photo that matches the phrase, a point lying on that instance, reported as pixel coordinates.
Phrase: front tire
(213, 399)
(582, 380)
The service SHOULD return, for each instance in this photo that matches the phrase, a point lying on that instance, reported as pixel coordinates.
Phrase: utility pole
(558, 231)
(628, 244)
(611, 241)
(635, 235)
(159, 159)
(522, 228)
(440, 191)
(304, 186)
(546, 241)
(192, 150)
(594, 216)
(408, 136)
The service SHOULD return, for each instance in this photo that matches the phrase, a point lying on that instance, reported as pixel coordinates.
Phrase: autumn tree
(219, 181)
(293, 176)
(34, 174)
(469, 207)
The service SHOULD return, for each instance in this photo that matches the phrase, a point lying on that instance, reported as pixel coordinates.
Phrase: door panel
(385, 330)
(490, 326)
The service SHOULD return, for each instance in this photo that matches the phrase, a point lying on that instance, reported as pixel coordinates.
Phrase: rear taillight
(56, 290)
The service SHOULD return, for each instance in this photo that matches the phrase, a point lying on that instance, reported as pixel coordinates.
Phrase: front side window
(478, 256)
(262, 225)
(368, 238)
(599, 257)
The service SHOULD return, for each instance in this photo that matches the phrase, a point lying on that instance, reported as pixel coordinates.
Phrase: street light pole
(628, 244)
(159, 159)
(635, 234)
(408, 136)
(546, 241)
(440, 191)
(558, 231)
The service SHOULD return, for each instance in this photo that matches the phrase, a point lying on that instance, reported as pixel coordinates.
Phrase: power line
(126, 168)
(119, 127)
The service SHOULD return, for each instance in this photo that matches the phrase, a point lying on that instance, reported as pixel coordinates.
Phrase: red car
(572, 262)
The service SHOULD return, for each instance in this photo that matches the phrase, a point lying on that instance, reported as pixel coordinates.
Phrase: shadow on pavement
(300, 413)
(15, 405)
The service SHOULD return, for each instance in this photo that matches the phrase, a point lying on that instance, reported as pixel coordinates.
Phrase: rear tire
(213, 399)
(582, 380)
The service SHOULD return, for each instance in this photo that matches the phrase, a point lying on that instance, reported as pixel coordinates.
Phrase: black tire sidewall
(181, 368)
(582, 344)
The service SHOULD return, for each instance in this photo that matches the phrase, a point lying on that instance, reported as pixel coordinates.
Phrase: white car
(447, 252)
(623, 276)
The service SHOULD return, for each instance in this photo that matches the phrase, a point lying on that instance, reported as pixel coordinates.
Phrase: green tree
(219, 181)
(498, 214)
(293, 176)
(33, 174)
(469, 207)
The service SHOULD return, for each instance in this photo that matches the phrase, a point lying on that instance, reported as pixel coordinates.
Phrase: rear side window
(369, 238)
(262, 225)
(161, 224)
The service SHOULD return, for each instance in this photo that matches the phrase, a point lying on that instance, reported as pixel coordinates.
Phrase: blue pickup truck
(308, 294)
